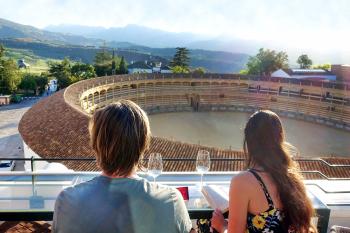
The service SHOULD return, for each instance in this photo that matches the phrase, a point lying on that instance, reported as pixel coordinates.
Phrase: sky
(322, 24)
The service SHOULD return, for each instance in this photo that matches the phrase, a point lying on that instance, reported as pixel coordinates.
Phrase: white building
(145, 67)
(139, 67)
(308, 74)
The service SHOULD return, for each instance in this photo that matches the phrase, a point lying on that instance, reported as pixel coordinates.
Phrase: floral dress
(269, 221)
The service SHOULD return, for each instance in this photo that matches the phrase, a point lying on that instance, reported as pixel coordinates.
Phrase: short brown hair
(120, 134)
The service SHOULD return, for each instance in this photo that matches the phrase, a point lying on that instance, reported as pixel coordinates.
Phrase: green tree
(267, 61)
(244, 72)
(199, 70)
(28, 83)
(181, 58)
(10, 76)
(304, 61)
(122, 68)
(82, 71)
(62, 72)
(179, 70)
(105, 63)
(322, 66)
(102, 57)
(41, 81)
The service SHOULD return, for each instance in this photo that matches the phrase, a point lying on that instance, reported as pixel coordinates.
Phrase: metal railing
(324, 176)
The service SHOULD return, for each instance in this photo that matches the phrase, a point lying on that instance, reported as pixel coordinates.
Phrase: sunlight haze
(302, 24)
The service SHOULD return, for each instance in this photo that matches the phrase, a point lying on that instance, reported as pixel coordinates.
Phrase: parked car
(7, 165)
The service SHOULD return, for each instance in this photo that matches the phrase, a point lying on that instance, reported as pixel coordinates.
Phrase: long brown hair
(264, 146)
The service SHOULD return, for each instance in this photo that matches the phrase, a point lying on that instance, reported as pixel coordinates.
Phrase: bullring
(56, 127)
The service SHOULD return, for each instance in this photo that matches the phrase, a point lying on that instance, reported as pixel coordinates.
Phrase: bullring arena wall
(321, 102)
(65, 115)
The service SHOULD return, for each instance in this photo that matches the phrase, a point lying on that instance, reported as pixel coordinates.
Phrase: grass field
(37, 64)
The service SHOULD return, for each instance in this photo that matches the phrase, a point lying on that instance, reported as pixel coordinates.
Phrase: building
(139, 67)
(22, 64)
(165, 70)
(52, 85)
(148, 67)
(305, 74)
(5, 99)
(342, 72)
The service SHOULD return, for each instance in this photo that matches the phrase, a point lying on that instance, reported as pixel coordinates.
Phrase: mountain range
(145, 36)
(216, 54)
(132, 42)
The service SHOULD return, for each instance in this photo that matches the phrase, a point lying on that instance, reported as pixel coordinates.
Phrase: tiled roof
(25, 227)
(139, 65)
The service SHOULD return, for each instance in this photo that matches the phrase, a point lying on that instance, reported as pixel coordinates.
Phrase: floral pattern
(265, 222)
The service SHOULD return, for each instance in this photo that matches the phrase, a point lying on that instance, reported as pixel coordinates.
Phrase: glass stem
(201, 180)
(154, 180)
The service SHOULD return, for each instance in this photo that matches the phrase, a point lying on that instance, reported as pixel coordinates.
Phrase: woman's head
(120, 134)
(264, 139)
(264, 147)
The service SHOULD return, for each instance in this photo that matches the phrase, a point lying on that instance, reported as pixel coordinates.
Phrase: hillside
(9, 29)
(53, 45)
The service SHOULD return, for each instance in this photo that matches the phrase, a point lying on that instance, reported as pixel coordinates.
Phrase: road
(11, 144)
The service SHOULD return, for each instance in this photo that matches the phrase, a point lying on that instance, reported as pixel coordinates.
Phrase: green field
(37, 64)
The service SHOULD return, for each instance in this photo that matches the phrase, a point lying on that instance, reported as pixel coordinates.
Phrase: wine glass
(291, 150)
(155, 165)
(202, 163)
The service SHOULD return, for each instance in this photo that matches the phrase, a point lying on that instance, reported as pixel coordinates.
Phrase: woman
(119, 200)
(270, 196)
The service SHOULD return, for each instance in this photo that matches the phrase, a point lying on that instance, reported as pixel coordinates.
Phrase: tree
(105, 63)
(179, 70)
(62, 72)
(28, 83)
(114, 66)
(304, 61)
(181, 58)
(244, 72)
(10, 76)
(41, 81)
(123, 68)
(267, 61)
(81, 71)
(199, 70)
(322, 66)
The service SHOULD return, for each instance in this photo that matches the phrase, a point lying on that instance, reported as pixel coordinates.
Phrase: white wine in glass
(155, 165)
(203, 163)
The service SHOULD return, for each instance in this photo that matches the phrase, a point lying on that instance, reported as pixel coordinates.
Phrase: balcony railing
(30, 195)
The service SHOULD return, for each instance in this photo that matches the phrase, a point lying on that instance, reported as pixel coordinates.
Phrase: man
(118, 200)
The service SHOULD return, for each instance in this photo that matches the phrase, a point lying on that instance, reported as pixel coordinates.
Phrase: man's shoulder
(76, 191)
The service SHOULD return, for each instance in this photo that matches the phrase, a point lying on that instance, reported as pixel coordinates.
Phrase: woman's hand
(218, 221)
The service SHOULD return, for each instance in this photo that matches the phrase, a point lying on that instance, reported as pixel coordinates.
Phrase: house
(165, 70)
(342, 72)
(22, 64)
(148, 67)
(306, 74)
(156, 67)
(139, 67)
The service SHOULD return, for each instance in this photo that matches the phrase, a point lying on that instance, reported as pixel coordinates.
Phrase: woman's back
(265, 212)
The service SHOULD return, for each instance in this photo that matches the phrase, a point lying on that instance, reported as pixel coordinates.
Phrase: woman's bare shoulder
(243, 179)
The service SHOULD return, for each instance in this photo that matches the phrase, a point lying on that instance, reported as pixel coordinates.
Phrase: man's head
(120, 134)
